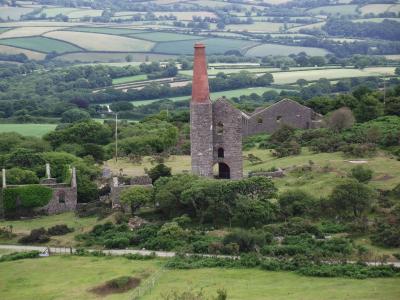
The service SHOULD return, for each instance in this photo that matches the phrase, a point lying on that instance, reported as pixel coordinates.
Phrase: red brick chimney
(200, 89)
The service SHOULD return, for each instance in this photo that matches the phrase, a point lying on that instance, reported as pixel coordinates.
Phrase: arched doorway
(224, 172)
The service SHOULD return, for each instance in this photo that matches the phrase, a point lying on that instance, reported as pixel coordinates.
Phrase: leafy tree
(351, 198)
(74, 115)
(296, 203)
(368, 108)
(158, 171)
(362, 174)
(340, 119)
(136, 197)
(392, 106)
(20, 176)
(253, 211)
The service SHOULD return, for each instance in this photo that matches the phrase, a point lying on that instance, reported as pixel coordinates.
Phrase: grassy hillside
(328, 169)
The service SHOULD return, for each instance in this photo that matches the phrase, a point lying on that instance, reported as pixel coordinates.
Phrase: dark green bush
(362, 174)
(36, 236)
(59, 230)
(19, 255)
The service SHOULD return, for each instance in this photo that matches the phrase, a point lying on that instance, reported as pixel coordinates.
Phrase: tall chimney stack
(200, 89)
(201, 118)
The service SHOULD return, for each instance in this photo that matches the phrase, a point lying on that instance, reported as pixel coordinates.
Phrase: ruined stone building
(64, 196)
(217, 128)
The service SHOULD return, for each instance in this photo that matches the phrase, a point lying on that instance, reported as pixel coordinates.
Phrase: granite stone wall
(201, 138)
(64, 199)
(227, 137)
(286, 111)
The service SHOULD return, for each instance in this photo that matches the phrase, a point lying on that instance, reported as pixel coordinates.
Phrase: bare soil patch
(117, 285)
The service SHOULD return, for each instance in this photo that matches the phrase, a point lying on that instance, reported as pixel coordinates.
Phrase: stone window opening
(220, 152)
(278, 119)
(220, 128)
(61, 197)
(259, 120)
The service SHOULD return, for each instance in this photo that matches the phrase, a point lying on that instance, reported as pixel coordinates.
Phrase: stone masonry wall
(283, 112)
(228, 136)
(64, 199)
(201, 138)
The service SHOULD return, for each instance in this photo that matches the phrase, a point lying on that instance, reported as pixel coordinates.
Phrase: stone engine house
(217, 128)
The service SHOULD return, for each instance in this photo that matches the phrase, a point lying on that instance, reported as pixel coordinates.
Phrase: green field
(101, 42)
(214, 46)
(165, 36)
(275, 49)
(293, 76)
(127, 79)
(13, 13)
(28, 129)
(350, 9)
(114, 57)
(41, 44)
(215, 95)
(71, 277)
(268, 27)
(106, 30)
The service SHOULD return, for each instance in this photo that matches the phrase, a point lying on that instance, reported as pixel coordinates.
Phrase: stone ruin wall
(230, 137)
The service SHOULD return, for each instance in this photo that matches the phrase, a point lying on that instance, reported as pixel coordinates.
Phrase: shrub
(19, 255)
(20, 176)
(59, 230)
(362, 174)
(247, 240)
(28, 196)
(36, 236)
(158, 171)
(351, 198)
(359, 150)
(296, 203)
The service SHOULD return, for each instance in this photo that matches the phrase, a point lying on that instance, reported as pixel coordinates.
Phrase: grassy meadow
(328, 169)
(40, 43)
(71, 277)
(80, 225)
(28, 129)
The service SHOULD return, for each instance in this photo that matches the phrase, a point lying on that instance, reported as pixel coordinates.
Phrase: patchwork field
(379, 8)
(113, 57)
(105, 30)
(129, 79)
(28, 129)
(13, 13)
(293, 76)
(214, 46)
(335, 9)
(30, 54)
(275, 49)
(101, 42)
(27, 31)
(165, 36)
(215, 95)
(21, 279)
(268, 27)
(41, 44)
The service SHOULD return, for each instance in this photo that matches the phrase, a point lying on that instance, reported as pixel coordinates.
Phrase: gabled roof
(278, 103)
